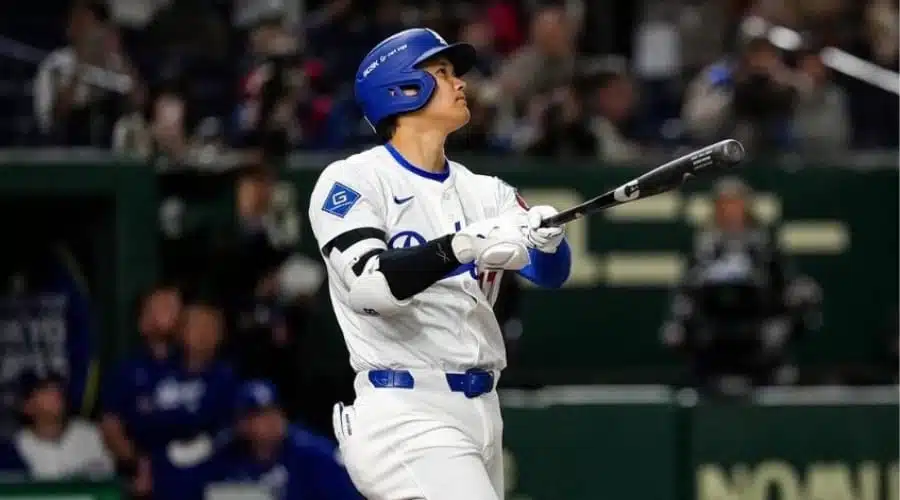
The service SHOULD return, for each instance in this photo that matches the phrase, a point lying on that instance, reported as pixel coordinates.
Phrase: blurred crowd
(214, 395)
(609, 79)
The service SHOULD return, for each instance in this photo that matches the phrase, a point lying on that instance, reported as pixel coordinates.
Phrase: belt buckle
(474, 387)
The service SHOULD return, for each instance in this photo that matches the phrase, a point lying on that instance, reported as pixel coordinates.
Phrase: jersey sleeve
(547, 270)
(509, 201)
(347, 219)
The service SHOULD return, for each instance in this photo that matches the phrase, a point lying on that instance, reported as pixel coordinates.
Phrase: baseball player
(415, 247)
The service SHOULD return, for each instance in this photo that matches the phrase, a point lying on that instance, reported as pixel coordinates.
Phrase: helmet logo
(372, 67)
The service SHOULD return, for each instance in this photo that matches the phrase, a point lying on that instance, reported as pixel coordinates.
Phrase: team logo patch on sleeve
(340, 200)
(521, 201)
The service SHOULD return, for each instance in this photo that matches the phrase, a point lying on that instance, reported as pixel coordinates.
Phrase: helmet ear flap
(395, 96)
(412, 94)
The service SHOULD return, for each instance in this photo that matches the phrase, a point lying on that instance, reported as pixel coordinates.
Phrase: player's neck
(424, 149)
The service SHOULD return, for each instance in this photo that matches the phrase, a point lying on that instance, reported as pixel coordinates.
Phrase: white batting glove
(545, 239)
(492, 244)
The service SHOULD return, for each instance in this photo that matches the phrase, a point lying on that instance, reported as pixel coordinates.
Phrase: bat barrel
(711, 159)
(732, 151)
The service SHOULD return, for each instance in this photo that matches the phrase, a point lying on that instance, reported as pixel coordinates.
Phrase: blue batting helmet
(392, 66)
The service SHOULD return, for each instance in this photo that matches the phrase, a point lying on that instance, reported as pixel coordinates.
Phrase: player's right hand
(493, 244)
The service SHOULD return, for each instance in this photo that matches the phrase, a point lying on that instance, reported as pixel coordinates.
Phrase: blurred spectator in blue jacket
(284, 460)
(158, 314)
(171, 409)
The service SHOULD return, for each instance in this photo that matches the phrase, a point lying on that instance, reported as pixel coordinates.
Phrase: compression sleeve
(409, 271)
(549, 270)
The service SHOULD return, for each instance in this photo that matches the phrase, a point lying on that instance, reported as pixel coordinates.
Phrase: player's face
(447, 107)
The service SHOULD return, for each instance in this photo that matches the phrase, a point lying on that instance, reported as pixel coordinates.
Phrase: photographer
(556, 125)
(738, 307)
(74, 100)
(749, 99)
(284, 98)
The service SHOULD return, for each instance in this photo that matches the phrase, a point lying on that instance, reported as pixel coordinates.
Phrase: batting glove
(545, 239)
(492, 244)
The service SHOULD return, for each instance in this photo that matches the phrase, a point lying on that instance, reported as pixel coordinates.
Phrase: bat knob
(732, 151)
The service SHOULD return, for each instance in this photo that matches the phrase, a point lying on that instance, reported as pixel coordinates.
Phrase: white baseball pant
(421, 443)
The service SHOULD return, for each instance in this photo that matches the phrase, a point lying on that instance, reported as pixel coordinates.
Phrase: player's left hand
(545, 239)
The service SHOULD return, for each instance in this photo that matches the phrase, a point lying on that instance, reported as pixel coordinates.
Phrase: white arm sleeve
(371, 294)
(346, 213)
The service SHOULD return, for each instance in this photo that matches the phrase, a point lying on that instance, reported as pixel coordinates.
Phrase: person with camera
(275, 89)
(750, 99)
(739, 306)
(78, 89)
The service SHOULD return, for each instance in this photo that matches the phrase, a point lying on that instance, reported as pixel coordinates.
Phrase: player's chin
(461, 116)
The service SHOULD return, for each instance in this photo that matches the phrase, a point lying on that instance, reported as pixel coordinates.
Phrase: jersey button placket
(453, 208)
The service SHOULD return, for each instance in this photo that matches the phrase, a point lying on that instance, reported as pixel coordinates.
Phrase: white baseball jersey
(376, 200)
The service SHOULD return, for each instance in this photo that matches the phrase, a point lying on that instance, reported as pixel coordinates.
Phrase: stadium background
(598, 403)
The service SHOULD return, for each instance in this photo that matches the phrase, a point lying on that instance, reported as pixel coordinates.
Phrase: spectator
(613, 102)
(170, 117)
(738, 306)
(547, 62)
(284, 95)
(342, 31)
(188, 29)
(504, 19)
(158, 313)
(132, 134)
(73, 97)
(46, 313)
(269, 290)
(171, 410)
(749, 99)
(286, 461)
(52, 446)
(158, 319)
(557, 125)
(479, 33)
(536, 100)
(882, 30)
(821, 120)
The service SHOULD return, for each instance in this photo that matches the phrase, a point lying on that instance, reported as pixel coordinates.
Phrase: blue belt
(473, 383)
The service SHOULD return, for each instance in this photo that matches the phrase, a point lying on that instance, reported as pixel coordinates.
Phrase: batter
(416, 246)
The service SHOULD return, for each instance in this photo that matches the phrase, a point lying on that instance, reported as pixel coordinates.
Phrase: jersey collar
(435, 176)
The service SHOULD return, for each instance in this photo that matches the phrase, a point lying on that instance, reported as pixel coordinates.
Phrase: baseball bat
(709, 160)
